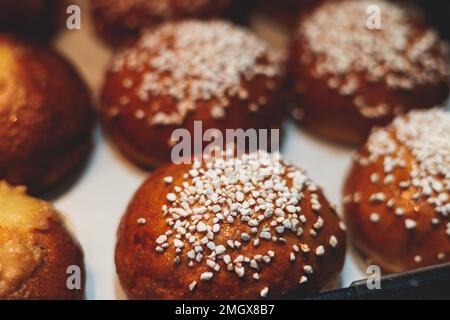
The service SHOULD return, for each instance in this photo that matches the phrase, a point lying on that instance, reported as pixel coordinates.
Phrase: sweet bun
(36, 250)
(189, 71)
(349, 78)
(119, 22)
(45, 116)
(397, 203)
(32, 19)
(240, 228)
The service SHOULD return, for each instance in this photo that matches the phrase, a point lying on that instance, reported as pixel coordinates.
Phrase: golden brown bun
(46, 116)
(119, 22)
(32, 19)
(147, 271)
(348, 79)
(393, 215)
(36, 250)
(140, 111)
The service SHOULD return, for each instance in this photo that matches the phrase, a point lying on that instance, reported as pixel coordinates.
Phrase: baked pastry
(36, 250)
(240, 228)
(33, 19)
(349, 78)
(119, 21)
(397, 203)
(213, 72)
(45, 115)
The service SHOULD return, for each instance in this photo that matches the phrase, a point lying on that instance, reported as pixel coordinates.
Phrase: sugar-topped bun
(33, 19)
(240, 228)
(349, 78)
(36, 250)
(397, 204)
(119, 21)
(45, 116)
(189, 71)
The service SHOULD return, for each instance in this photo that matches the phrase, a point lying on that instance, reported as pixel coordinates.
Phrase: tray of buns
(94, 205)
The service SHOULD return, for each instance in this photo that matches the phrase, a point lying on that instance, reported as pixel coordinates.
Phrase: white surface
(96, 202)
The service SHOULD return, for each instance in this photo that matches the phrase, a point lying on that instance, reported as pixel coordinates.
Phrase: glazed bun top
(414, 155)
(20, 215)
(404, 54)
(39, 91)
(165, 9)
(189, 61)
(35, 249)
(254, 217)
(46, 115)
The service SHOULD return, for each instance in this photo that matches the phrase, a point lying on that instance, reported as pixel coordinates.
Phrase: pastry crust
(36, 250)
(46, 116)
(348, 79)
(217, 252)
(397, 193)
